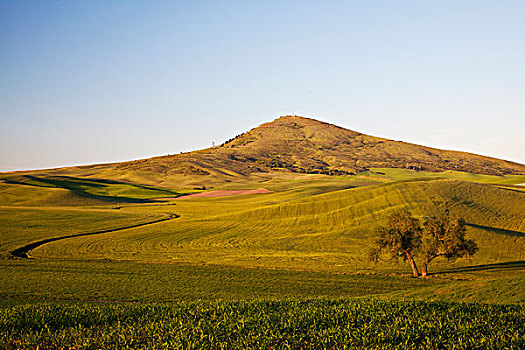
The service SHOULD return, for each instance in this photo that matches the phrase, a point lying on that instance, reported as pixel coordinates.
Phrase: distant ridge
(290, 146)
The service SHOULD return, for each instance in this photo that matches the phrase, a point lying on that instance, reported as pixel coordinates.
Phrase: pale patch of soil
(224, 193)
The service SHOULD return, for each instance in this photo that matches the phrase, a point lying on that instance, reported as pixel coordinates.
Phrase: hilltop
(287, 147)
(293, 144)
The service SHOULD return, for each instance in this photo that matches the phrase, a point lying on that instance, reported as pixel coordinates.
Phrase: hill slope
(287, 147)
(293, 144)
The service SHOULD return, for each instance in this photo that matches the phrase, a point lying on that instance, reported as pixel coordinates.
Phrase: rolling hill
(302, 145)
(285, 148)
(326, 191)
(324, 232)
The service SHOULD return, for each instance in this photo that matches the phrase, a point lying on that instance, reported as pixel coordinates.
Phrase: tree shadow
(511, 265)
(500, 231)
(512, 189)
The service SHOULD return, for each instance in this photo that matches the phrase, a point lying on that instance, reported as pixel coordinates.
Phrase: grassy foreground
(41, 280)
(285, 324)
(280, 270)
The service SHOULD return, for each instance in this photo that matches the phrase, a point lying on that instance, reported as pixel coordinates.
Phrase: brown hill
(302, 145)
(290, 146)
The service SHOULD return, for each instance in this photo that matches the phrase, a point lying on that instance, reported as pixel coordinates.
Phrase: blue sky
(103, 81)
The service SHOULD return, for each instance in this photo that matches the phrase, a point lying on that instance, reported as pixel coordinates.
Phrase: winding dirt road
(23, 252)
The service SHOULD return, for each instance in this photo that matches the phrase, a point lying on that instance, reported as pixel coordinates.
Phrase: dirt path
(23, 252)
(224, 193)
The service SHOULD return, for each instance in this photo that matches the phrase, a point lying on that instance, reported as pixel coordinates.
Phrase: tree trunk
(413, 264)
(427, 261)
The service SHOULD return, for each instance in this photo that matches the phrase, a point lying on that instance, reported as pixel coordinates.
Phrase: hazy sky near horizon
(86, 82)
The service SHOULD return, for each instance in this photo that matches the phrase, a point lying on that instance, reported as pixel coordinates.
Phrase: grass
(284, 324)
(389, 174)
(99, 189)
(295, 230)
(255, 271)
(21, 226)
(105, 280)
(330, 232)
(287, 269)
(501, 288)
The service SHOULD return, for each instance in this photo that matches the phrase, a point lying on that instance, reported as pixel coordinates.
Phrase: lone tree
(445, 237)
(404, 237)
(401, 238)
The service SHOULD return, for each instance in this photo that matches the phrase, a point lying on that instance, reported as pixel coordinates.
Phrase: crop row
(285, 324)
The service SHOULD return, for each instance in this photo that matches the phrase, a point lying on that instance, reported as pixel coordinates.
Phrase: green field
(285, 324)
(300, 251)
(328, 232)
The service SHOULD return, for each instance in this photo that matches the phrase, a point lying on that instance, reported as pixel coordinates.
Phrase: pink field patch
(224, 193)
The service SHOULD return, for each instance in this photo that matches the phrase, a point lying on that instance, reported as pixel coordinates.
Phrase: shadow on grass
(500, 231)
(511, 265)
(82, 187)
(518, 189)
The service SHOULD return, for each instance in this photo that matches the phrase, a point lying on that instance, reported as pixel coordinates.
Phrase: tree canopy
(445, 237)
(401, 238)
(439, 237)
